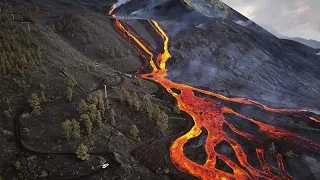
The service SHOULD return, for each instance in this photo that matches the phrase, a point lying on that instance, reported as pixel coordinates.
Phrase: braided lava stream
(210, 115)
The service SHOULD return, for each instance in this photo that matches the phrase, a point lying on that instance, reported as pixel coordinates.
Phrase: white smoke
(243, 23)
(120, 2)
(318, 54)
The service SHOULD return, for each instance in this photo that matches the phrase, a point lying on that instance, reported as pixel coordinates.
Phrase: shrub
(17, 165)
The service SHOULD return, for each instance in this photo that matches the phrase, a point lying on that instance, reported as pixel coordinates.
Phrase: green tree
(66, 126)
(99, 119)
(163, 122)
(43, 97)
(156, 112)
(101, 106)
(92, 99)
(123, 94)
(112, 116)
(82, 152)
(34, 102)
(82, 107)
(71, 82)
(92, 110)
(128, 98)
(107, 105)
(136, 102)
(134, 131)
(147, 103)
(87, 123)
(75, 129)
(69, 93)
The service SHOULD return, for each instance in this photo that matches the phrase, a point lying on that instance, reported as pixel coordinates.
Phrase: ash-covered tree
(82, 152)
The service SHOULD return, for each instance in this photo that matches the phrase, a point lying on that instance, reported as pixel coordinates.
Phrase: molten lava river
(209, 115)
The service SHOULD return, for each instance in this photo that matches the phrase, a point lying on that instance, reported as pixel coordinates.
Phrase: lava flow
(211, 116)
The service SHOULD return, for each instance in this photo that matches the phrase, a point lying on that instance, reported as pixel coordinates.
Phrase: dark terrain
(76, 40)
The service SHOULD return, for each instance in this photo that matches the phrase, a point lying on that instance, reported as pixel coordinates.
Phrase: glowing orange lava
(210, 115)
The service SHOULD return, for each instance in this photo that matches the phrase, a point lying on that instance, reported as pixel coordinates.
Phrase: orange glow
(314, 119)
(210, 115)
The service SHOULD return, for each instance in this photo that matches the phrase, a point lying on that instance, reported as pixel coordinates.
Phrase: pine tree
(136, 102)
(82, 107)
(122, 94)
(101, 106)
(71, 82)
(75, 129)
(82, 152)
(134, 131)
(69, 93)
(87, 123)
(107, 105)
(99, 119)
(163, 122)
(92, 110)
(92, 99)
(112, 116)
(66, 126)
(43, 97)
(156, 112)
(34, 102)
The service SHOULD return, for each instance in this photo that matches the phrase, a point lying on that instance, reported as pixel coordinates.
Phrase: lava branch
(210, 115)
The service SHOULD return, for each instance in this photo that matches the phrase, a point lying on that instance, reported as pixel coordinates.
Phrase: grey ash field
(56, 57)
